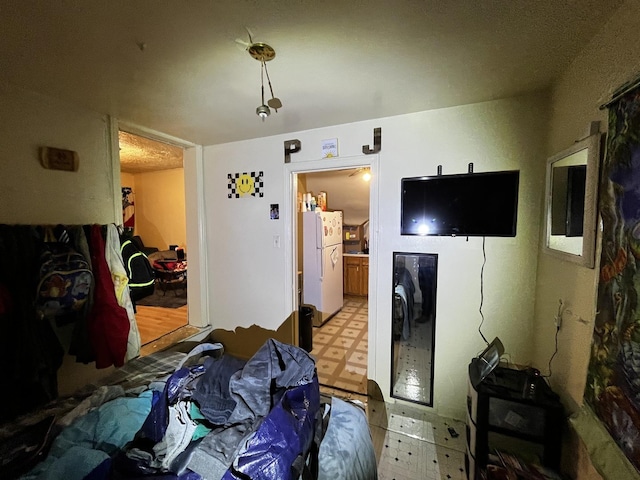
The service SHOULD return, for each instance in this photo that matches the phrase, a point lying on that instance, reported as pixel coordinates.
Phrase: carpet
(340, 347)
(168, 299)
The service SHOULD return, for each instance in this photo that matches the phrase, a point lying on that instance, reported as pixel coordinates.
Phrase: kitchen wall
(247, 270)
(346, 191)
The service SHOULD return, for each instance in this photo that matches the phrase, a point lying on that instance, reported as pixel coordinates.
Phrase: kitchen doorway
(341, 337)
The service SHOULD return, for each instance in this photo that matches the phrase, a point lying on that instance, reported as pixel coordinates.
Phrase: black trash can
(305, 327)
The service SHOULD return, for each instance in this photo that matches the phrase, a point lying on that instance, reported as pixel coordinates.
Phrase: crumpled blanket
(93, 438)
(276, 365)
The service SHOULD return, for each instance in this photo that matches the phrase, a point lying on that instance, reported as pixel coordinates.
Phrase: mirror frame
(426, 401)
(593, 146)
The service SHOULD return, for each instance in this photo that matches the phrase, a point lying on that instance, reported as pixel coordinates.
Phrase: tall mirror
(413, 326)
(571, 196)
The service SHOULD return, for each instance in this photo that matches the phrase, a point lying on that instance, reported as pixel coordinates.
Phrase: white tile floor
(413, 444)
(413, 369)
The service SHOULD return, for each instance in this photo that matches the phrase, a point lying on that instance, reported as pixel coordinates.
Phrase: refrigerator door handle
(319, 232)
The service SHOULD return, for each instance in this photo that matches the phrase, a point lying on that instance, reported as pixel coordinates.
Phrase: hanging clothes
(80, 343)
(30, 352)
(121, 286)
(108, 321)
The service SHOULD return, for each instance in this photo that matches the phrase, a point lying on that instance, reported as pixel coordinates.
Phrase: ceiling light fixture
(264, 53)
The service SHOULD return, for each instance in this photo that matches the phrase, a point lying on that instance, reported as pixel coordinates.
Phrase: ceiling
(175, 67)
(140, 154)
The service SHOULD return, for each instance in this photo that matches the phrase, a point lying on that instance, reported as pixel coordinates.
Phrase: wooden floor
(154, 322)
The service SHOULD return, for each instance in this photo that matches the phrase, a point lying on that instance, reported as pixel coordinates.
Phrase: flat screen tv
(473, 204)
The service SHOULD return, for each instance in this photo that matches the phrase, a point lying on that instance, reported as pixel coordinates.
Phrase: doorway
(340, 334)
(154, 218)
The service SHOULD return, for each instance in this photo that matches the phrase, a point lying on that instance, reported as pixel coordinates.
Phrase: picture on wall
(245, 184)
(128, 209)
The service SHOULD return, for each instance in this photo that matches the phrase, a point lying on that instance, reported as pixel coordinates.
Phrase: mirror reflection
(568, 180)
(570, 225)
(413, 326)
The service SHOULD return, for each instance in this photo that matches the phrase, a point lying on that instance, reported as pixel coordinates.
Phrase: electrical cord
(484, 261)
(558, 322)
(554, 353)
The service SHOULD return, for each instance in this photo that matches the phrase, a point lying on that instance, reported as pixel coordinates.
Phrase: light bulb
(366, 176)
(263, 111)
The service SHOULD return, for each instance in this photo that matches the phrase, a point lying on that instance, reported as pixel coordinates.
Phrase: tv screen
(474, 204)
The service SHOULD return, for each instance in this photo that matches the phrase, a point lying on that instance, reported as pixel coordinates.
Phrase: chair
(137, 241)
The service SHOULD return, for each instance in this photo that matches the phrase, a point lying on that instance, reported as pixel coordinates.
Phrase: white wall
(608, 61)
(31, 194)
(247, 272)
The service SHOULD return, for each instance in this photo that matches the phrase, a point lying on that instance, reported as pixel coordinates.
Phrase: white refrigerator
(322, 263)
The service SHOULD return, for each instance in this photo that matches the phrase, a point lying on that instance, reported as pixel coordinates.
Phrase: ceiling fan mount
(261, 52)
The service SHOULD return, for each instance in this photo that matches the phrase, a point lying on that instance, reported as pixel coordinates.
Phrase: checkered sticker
(245, 184)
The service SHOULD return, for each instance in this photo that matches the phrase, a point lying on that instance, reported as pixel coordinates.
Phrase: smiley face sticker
(246, 184)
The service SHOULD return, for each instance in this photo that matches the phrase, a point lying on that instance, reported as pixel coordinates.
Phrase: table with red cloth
(170, 274)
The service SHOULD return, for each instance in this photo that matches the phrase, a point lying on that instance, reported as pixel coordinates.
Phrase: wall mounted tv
(473, 204)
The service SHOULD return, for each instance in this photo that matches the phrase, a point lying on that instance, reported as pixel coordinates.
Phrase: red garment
(108, 321)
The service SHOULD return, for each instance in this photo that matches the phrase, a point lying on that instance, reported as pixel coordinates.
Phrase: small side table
(171, 274)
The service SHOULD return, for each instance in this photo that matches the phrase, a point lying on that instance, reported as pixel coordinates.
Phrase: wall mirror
(571, 202)
(413, 326)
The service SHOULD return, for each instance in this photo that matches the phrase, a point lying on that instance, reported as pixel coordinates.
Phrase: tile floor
(340, 347)
(411, 443)
(413, 369)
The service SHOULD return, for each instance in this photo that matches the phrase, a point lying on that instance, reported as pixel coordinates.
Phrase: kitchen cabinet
(356, 275)
(353, 238)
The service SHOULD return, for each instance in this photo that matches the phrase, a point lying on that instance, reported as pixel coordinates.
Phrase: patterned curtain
(613, 382)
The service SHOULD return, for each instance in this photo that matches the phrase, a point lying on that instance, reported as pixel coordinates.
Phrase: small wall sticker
(330, 148)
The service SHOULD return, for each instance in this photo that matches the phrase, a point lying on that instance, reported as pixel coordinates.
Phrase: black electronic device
(472, 204)
(486, 362)
(514, 412)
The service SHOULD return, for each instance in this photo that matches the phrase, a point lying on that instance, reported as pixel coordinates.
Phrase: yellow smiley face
(245, 184)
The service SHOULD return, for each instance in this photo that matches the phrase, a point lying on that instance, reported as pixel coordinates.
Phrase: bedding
(201, 415)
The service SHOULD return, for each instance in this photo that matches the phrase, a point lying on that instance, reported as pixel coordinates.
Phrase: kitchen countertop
(355, 254)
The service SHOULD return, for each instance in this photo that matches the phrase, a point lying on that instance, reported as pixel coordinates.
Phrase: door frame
(290, 218)
(193, 164)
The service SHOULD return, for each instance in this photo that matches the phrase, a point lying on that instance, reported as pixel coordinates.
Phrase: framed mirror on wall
(571, 202)
(413, 326)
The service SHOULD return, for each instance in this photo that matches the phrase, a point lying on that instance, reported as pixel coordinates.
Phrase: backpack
(65, 281)
(141, 275)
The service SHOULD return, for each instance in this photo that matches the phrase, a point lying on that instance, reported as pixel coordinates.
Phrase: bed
(195, 412)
